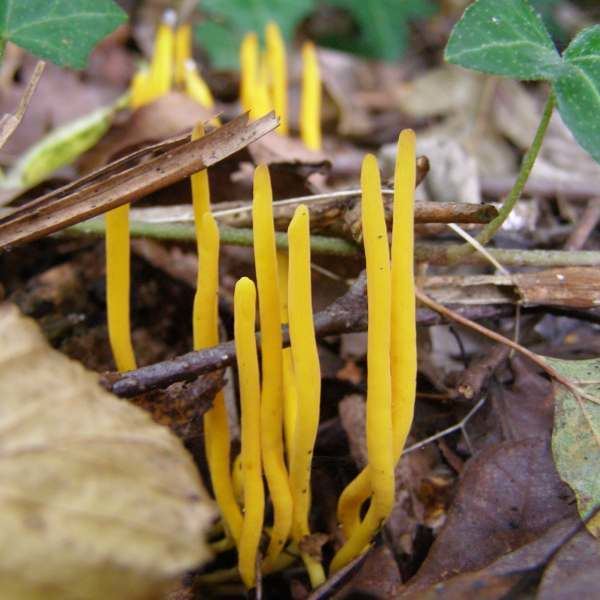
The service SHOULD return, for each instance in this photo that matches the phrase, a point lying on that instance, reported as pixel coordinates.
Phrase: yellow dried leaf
(96, 500)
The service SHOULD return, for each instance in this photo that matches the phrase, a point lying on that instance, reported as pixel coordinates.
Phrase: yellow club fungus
(308, 381)
(206, 334)
(195, 86)
(310, 102)
(183, 51)
(403, 341)
(271, 411)
(118, 287)
(161, 67)
(380, 446)
(261, 100)
(404, 321)
(290, 396)
(277, 63)
(216, 424)
(249, 70)
(250, 455)
(118, 257)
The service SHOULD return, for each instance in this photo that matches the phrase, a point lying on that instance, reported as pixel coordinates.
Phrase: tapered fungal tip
(169, 17)
(408, 135)
(301, 212)
(261, 175)
(250, 38)
(308, 47)
(245, 288)
(272, 29)
(369, 166)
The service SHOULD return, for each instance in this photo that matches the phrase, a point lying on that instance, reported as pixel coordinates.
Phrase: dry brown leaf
(96, 500)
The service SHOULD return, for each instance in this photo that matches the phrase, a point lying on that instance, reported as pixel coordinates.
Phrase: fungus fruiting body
(308, 381)
(216, 423)
(250, 455)
(249, 70)
(162, 66)
(261, 99)
(379, 381)
(195, 86)
(404, 321)
(271, 411)
(118, 286)
(277, 63)
(290, 395)
(310, 102)
(183, 51)
(206, 334)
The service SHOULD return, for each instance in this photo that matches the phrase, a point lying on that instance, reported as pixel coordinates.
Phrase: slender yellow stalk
(183, 51)
(206, 334)
(261, 101)
(271, 410)
(216, 425)
(404, 321)
(247, 361)
(403, 341)
(290, 394)
(308, 381)
(118, 278)
(118, 287)
(277, 62)
(310, 102)
(161, 67)
(195, 86)
(200, 190)
(249, 70)
(141, 89)
(380, 446)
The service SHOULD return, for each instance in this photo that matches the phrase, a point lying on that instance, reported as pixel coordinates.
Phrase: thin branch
(346, 314)
(10, 122)
(440, 434)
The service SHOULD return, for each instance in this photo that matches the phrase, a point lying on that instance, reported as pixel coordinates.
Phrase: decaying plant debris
(496, 490)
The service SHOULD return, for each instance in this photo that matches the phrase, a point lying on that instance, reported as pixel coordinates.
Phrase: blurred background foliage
(380, 29)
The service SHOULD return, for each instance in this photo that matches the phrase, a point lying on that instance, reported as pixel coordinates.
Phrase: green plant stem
(180, 232)
(232, 236)
(459, 251)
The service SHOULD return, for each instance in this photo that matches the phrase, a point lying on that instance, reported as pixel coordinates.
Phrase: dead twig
(121, 182)
(476, 376)
(586, 226)
(348, 313)
(9, 122)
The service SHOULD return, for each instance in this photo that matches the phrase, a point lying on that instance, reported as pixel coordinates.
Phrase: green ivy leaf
(576, 434)
(577, 89)
(228, 20)
(504, 38)
(63, 31)
(383, 31)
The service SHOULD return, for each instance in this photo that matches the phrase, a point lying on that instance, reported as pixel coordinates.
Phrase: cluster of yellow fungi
(264, 84)
(280, 400)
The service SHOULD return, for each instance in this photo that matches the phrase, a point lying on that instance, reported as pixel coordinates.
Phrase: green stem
(455, 253)
(180, 232)
(232, 236)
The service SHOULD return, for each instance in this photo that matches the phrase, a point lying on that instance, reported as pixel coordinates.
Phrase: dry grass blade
(121, 182)
(10, 122)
